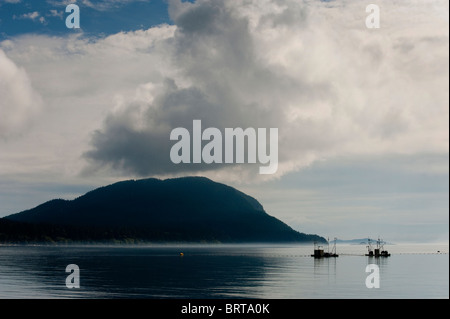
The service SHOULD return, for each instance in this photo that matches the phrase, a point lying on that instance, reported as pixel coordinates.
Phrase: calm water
(240, 271)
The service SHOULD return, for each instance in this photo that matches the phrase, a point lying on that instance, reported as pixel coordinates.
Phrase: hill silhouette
(181, 209)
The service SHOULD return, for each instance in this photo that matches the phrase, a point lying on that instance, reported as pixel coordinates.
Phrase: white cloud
(312, 69)
(34, 16)
(19, 102)
(56, 13)
(31, 15)
(104, 5)
(331, 86)
(80, 81)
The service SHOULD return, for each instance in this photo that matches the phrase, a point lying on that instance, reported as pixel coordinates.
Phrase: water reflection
(381, 262)
(216, 272)
(137, 273)
(325, 266)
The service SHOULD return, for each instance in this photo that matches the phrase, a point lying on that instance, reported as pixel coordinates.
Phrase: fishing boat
(320, 253)
(377, 252)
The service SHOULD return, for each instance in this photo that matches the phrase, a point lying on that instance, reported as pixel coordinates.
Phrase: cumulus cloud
(34, 16)
(19, 102)
(81, 80)
(56, 13)
(311, 69)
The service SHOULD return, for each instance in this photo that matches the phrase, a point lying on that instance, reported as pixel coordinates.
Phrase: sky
(362, 113)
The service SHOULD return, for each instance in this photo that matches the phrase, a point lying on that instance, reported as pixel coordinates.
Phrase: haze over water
(222, 271)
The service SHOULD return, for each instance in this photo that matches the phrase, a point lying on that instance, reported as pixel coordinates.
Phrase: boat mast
(369, 245)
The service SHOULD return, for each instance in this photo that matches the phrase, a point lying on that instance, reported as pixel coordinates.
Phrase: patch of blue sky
(97, 17)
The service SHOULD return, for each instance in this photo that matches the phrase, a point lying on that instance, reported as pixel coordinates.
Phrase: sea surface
(223, 271)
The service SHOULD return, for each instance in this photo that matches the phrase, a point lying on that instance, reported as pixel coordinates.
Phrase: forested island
(189, 209)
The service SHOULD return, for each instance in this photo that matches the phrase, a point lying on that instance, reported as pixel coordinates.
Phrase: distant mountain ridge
(181, 209)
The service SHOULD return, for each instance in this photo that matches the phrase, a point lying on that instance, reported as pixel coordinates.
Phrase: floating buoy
(181, 254)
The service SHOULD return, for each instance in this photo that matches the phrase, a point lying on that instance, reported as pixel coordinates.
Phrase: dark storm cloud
(146, 151)
(306, 68)
(214, 54)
